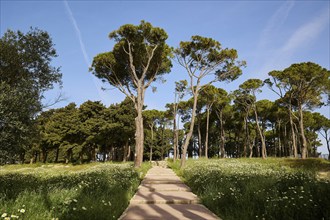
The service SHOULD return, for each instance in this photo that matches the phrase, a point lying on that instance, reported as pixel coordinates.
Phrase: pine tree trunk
(199, 139)
(327, 139)
(207, 131)
(222, 135)
(152, 142)
(174, 139)
(139, 133)
(302, 133)
(44, 155)
(125, 151)
(174, 128)
(262, 139)
(191, 129)
(279, 139)
(56, 154)
(293, 134)
(247, 138)
(251, 144)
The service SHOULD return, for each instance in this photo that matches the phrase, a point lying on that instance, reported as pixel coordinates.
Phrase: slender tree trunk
(104, 156)
(279, 138)
(327, 140)
(191, 129)
(302, 133)
(174, 140)
(236, 144)
(139, 133)
(286, 149)
(222, 135)
(174, 129)
(125, 157)
(177, 144)
(94, 153)
(44, 155)
(251, 144)
(207, 131)
(57, 151)
(262, 139)
(293, 134)
(247, 138)
(152, 141)
(199, 138)
(162, 149)
(328, 145)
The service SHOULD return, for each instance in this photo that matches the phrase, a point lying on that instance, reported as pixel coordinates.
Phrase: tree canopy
(26, 73)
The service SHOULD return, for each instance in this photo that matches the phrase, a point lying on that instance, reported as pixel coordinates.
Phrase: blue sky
(268, 35)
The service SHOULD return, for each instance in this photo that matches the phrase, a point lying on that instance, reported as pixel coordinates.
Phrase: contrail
(82, 47)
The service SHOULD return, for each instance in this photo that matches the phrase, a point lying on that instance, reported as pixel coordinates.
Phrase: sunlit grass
(89, 191)
(260, 189)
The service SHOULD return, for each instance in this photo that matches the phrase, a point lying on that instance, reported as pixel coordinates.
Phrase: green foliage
(146, 47)
(304, 81)
(203, 56)
(139, 57)
(260, 189)
(25, 74)
(96, 191)
(74, 134)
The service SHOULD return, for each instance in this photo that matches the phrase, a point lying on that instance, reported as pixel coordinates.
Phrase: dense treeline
(212, 123)
(93, 132)
(235, 121)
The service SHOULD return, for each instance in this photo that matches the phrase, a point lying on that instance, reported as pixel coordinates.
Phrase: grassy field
(55, 191)
(261, 189)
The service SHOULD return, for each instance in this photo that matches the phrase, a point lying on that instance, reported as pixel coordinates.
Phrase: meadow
(261, 189)
(56, 191)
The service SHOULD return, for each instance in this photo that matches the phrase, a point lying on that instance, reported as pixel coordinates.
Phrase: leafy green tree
(90, 121)
(180, 91)
(209, 94)
(222, 101)
(324, 128)
(304, 83)
(243, 102)
(251, 87)
(121, 128)
(152, 118)
(202, 57)
(139, 57)
(44, 147)
(25, 74)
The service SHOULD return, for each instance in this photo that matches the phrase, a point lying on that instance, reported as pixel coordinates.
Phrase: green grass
(260, 189)
(89, 191)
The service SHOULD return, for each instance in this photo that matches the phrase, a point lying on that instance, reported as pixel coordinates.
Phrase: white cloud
(78, 33)
(301, 38)
(97, 83)
(306, 33)
(275, 23)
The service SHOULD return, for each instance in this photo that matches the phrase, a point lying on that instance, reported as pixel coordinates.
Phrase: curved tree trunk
(191, 128)
(262, 138)
(293, 135)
